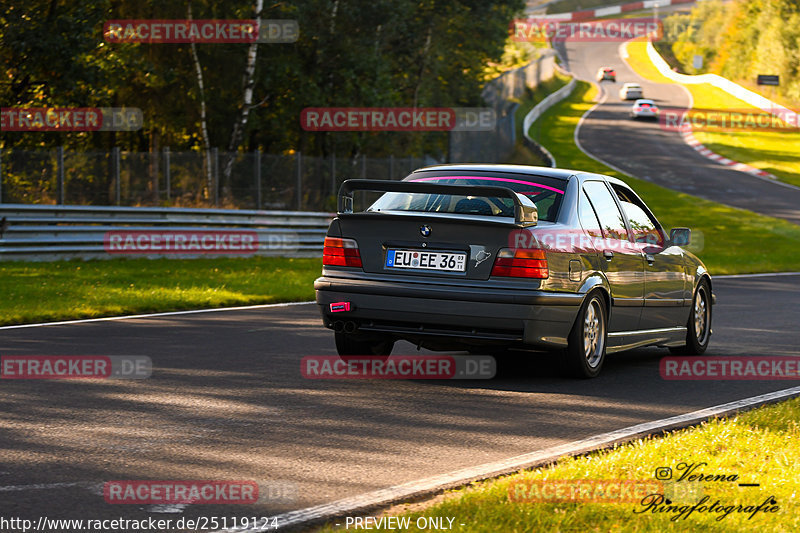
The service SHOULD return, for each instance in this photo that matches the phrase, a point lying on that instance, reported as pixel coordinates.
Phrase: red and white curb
(590, 14)
(691, 140)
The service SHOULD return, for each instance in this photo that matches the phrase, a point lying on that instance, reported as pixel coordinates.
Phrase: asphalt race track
(647, 151)
(227, 401)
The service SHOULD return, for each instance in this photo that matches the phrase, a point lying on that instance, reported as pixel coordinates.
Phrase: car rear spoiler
(525, 212)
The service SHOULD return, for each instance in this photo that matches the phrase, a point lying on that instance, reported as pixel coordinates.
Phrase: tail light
(341, 252)
(521, 263)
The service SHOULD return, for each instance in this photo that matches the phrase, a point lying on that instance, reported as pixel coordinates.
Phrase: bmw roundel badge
(425, 230)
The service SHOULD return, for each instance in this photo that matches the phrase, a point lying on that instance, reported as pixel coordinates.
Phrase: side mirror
(680, 236)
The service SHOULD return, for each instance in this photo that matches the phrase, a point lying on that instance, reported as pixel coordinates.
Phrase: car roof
(511, 169)
(643, 101)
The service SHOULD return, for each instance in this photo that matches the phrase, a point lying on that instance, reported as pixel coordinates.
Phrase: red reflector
(514, 272)
(338, 307)
(514, 262)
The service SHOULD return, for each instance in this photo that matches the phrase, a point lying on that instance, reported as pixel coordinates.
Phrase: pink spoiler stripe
(509, 180)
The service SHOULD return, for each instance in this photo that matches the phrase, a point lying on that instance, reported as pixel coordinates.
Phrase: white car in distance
(630, 91)
(644, 108)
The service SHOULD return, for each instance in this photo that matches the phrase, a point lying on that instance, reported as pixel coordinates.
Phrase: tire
(586, 344)
(698, 328)
(348, 345)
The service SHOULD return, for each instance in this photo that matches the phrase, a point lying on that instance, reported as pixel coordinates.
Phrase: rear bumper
(465, 315)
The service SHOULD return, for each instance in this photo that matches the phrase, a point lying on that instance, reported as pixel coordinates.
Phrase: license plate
(425, 260)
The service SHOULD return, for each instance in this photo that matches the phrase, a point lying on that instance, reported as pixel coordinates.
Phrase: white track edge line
(456, 478)
(758, 275)
(155, 315)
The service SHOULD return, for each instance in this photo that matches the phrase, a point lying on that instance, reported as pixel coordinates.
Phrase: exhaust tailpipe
(350, 326)
(338, 326)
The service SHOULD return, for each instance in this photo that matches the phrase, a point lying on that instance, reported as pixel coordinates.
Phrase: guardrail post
(167, 172)
(1, 176)
(115, 158)
(215, 157)
(333, 173)
(299, 180)
(363, 166)
(257, 169)
(154, 160)
(60, 175)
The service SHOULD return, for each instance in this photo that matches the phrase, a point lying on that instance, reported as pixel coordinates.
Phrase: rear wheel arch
(597, 283)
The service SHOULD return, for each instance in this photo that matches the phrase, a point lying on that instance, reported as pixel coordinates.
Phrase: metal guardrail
(49, 233)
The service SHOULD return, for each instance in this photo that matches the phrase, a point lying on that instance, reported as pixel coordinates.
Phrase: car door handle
(608, 254)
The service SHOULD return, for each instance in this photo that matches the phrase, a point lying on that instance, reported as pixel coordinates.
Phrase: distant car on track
(631, 91)
(480, 257)
(606, 73)
(644, 108)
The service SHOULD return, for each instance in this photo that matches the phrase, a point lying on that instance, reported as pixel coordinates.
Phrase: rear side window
(645, 229)
(588, 217)
(608, 213)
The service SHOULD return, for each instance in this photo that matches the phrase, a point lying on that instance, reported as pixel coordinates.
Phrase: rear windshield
(545, 192)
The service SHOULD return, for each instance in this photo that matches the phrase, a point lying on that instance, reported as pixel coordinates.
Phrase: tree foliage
(741, 39)
(351, 53)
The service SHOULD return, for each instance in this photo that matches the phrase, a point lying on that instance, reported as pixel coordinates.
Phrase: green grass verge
(777, 152)
(34, 292)
(733, 241)
(760, 446)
